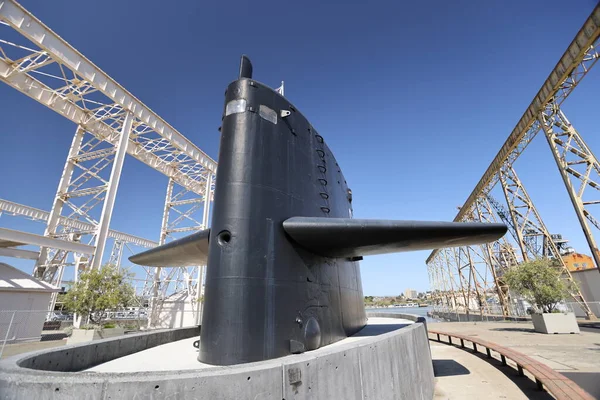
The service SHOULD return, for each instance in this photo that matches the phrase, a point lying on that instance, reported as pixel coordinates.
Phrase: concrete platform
(181, 355)
(389, 359)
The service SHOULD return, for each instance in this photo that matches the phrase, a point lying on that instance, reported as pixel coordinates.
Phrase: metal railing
(578, 311)
(489, 313)
(519, 310)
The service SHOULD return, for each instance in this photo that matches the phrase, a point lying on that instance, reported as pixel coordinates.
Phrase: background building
(23, 304)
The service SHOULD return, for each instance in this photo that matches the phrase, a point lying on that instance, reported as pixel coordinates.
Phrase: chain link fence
(578, 311)
(22, 331)
(490, 312)
(518, 309)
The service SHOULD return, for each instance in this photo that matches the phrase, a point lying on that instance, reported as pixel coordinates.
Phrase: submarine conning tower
(283, 248)
(265, 296)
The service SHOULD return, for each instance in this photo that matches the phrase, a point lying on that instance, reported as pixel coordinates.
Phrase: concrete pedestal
(555, 323)
(379, 362)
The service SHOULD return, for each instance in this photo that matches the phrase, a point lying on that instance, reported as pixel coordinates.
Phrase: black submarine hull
(283, 249)
(267, 297)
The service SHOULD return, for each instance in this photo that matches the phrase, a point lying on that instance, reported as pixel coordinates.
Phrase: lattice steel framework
(531, 234)
(35, 214)
(578, 167)
(534, 238)
(116, 253)
(579, 58)
(88, 183)
(181, 214)
(110, 122)
(460, 277)
(441, 293)
(498, 257)
(577, 164)
(121, 240)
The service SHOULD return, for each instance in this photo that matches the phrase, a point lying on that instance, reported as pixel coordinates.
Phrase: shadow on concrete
(448, 368)
(53, 336)
(595, 328)
(527, 385)
(590, 328)
(374, 330)
(527, 330)
(589, 381)
(590, 325)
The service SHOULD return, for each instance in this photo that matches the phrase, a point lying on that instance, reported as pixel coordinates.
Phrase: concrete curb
(78, 357)
(396, 365)
(411, 317)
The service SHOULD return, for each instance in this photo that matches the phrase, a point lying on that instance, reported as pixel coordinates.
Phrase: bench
(51, 326)
(558, 385)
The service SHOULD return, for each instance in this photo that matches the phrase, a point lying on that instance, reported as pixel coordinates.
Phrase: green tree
(539, 282)
(99, 290)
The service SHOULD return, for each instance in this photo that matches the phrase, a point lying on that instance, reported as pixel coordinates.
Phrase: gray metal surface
(189, 250)
(345, 237)
(261, 289)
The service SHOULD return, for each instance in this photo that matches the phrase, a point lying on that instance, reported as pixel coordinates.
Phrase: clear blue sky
(414, 98)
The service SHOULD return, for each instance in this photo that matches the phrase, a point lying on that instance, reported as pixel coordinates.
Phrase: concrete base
(88, 335)
(555, 323)
(377, 364)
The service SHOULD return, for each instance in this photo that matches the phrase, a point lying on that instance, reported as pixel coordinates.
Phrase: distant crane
(530, 237)
(504, 215)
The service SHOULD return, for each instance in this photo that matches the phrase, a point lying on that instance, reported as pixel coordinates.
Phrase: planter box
(555, 323)
(88, 335)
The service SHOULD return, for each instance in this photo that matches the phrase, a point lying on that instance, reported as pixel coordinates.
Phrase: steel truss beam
(111, 122)
(578, 167)
(496, 259)
(11, 238)
(154, 141)
(180, 214)
(16, 209)
(441, 287)
(535, 240)
(581, 55)
(532, 237)
(524, 223)
(447, 271)
(116, 253)
(18, 253)
(83, 188)
(479, 269)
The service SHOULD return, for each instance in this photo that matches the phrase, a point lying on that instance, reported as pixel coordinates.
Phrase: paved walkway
(25, 347)
(461, 375)
(575, 356)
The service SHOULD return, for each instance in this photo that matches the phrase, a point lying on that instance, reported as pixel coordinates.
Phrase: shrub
(98, 290)
(539, 282)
